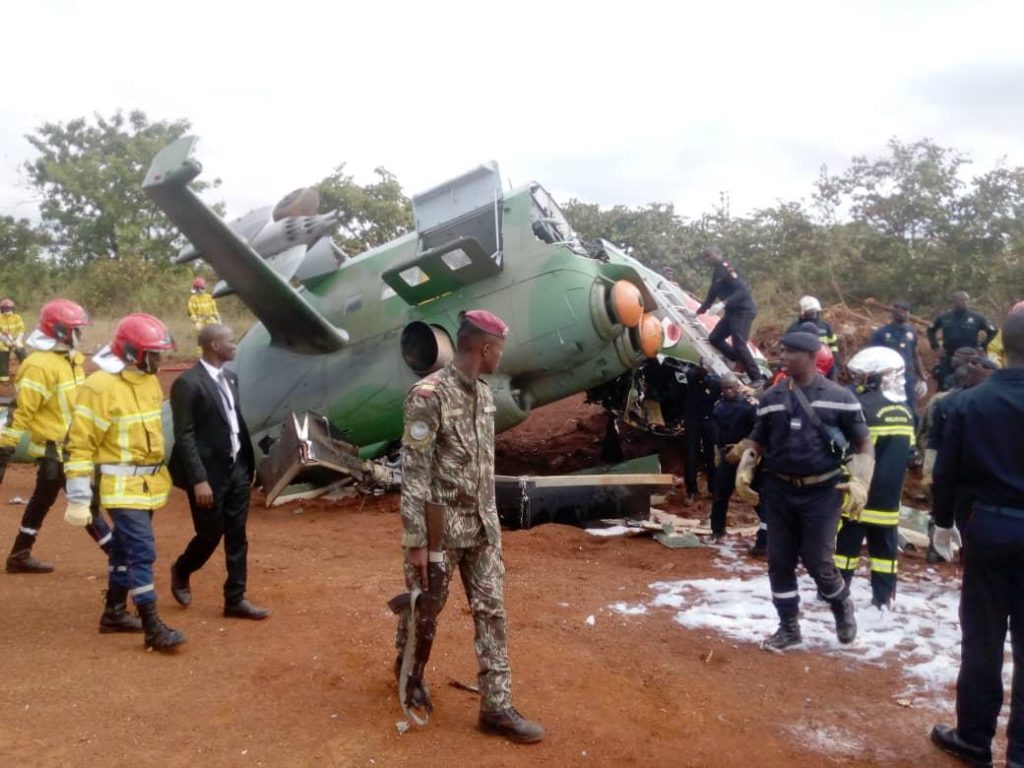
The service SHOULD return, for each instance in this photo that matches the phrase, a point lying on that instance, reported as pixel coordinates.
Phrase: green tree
(371, 214)
(89, 176)
(27, 276)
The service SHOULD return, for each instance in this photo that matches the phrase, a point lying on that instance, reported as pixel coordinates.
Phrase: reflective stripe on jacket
(202, 308)
(117, 421)
(46, 385)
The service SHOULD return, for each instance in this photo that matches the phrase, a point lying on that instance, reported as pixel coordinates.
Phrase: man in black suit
(213, 461)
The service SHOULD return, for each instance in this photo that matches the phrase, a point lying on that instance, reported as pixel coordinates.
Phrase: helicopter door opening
(459, 228)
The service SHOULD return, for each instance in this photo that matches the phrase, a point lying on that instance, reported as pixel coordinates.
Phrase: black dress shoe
(180, 589)
(948, 740)
(243, 609)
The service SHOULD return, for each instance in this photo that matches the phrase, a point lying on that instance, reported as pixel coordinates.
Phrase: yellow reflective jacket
(117, 422)
(995, 352)
(12, 327)
(46, 385)
(202, 309)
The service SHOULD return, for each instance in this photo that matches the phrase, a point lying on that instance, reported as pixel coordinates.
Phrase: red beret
(488, 322)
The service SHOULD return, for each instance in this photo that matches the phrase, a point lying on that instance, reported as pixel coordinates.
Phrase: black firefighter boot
(21, 561)
(115, 616)
(846, 623)
(159, 637)
(786, 636)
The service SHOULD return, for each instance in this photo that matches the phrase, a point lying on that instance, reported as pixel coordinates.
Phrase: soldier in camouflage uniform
(448, 458)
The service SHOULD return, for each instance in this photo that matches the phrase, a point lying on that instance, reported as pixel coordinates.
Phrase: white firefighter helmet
(809, 304)
(885, 367)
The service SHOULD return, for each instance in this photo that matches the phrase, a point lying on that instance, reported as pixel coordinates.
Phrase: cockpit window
(549, 223)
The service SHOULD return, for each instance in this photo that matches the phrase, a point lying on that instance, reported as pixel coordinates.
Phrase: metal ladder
(670, 299)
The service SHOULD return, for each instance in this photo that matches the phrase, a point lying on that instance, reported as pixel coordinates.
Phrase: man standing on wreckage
(448, 468)
(806, 427)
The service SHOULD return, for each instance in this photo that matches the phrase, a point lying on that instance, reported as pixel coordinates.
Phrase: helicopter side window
(413, 276)
(387, 292)
(549, 224)
(352, 303)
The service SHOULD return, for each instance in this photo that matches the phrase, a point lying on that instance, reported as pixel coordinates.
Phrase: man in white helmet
(810, 312)
(878, 375)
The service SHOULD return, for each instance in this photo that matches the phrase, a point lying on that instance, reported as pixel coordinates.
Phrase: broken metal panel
(526, 501)
(307, 453)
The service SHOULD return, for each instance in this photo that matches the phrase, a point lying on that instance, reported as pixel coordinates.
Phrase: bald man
(213, 462)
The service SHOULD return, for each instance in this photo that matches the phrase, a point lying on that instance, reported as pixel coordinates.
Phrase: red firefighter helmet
(7, 304)
(824, 360)
(59, 318)
(199, 284)
(138, 334)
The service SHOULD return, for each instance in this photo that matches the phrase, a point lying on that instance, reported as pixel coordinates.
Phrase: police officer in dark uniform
(730, 334)
(901, 336)
(959, 327)
(981, 453)
(702, 392)
(731, 423)
(805, 425)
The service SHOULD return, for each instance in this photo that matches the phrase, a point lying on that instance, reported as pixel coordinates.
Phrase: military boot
(21, 561)
(159, 636)
(513, 726)
(760, 545)
(115, 616)
(786, 636)
(846, 623)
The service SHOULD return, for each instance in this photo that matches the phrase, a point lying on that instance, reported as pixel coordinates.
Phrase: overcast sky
(621, 102)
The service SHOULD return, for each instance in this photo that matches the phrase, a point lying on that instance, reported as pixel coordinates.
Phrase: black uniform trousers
(725, 485)
(49, 484)
(802, 523)
(992, 598)
(883, 549)
(730, 336)
(225, 519)
(700, 454)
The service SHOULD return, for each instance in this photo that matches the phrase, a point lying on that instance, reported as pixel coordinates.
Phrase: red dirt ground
(312, 685)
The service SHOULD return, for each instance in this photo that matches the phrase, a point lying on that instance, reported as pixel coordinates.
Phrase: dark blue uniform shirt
(733, 420)
(899, 336)
(728, 286)
(701, 395)
(790, 443)
(981, 452)
(892, 432)
(960, 328)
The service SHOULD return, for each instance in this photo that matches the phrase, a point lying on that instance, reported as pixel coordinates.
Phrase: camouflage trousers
(483, 577)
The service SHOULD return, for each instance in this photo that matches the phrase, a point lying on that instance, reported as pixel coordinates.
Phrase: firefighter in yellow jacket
(46, 385)
(117, 435)
(12, 333)
(202, 309)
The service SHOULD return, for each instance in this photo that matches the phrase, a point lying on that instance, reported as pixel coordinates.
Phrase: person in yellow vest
(995, 347)
(46, 386)
(12, 333)
(202, 309)
(117, 435)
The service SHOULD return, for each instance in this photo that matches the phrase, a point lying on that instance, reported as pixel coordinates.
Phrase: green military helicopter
(345, 336)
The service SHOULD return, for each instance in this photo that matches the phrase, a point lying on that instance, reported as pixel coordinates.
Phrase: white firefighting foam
(921, 634)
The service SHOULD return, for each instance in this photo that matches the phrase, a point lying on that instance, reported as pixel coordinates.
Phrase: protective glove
(6, 453)
(862, 468)
(921, 388)
(77, 514)
(745, 476)
(735, 453)
(944, 540)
